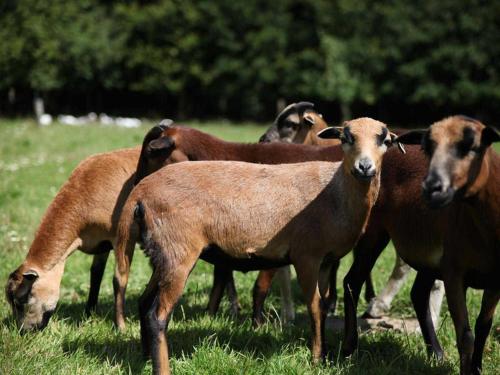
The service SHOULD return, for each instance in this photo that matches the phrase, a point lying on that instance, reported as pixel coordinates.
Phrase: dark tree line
(404, 61)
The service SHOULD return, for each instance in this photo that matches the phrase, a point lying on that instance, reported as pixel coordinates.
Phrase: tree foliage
(238, 58)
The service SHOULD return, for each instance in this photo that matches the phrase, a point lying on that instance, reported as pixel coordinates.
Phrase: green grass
(34, 162)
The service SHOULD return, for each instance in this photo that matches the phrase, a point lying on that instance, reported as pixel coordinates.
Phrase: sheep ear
(489, 136)
(160, 144)
(24, 289)
(30, 275)
(413, 137)
(332, 132)
(394, 137)
(308, 119)
(154, 132)
(289, 109)
(298, 108)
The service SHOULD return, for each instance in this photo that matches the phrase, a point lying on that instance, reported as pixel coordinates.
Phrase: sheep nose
(365, 165)
(437, 190)
(433, 184)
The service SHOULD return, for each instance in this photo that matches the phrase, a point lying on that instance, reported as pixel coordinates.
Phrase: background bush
(401, 61)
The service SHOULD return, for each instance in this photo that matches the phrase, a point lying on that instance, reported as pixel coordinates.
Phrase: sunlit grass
(34, 162)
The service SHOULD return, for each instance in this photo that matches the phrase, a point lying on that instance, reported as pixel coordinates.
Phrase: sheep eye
(464, 147)
(388, 143)
(347, 136)
(466, 144)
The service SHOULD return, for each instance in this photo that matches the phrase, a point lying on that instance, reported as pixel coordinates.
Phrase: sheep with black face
(463, 183)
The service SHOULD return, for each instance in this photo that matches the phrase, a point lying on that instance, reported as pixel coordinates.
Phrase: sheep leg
(96, 273)
(456, 296)
(285, 282)
(381, 304)
(420, 293)
(330, 302)
(222, 277)
(369, 289)
(146, 301)
(436, 301)
(307, 276)
(260, 291)
(232, 294)
(483, 326)
(120, 279)
(368, 249)
(158, 315)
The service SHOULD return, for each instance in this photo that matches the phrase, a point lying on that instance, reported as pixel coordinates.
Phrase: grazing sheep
(83, 215)
(463, 182)
(294, 214)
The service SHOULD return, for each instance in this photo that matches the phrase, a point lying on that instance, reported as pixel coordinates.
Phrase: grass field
(34, 162)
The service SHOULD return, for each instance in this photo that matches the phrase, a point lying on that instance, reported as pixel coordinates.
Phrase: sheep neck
(57, 235)
(483, 206)
(356, 199)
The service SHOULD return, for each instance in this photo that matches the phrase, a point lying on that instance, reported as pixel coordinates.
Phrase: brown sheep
(83, 215)
(293, 131)
(463, 182)
(246, 211)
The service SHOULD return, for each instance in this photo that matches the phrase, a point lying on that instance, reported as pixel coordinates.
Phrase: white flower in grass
(13, 236)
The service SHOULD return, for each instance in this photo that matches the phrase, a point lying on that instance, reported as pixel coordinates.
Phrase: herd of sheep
(305, 195)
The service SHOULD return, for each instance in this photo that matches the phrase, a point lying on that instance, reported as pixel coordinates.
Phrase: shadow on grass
(385, 353)
(126, 353)
(74, 312)
(388, 355)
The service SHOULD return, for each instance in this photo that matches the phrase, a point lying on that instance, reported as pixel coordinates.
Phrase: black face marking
(23, 291)
(381, 137)
(270, 135)
(289, 124)
(465, 145)
(10, 293)
(428, 145)
(285, 113)
(347, 137)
